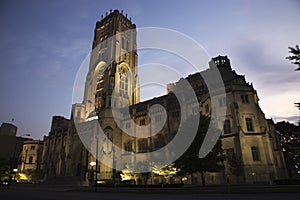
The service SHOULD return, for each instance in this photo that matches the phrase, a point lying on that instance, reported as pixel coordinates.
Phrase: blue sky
(43, 43)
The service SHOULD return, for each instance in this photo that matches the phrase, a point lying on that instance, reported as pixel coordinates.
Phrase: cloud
(58, 47)
(261, 57)
(292, 119)
(78, 47)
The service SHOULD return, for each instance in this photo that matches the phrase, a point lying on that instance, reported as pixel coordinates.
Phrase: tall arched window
(124, 85)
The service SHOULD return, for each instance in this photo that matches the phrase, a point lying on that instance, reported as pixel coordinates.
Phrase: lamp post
(96, 172)
(92, 165)
(113, 160)
(95, 112)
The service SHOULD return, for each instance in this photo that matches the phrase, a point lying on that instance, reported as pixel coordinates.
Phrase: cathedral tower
(112, 71)
(113, 65)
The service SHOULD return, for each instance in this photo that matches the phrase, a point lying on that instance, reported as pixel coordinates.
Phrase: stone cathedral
(246, 133)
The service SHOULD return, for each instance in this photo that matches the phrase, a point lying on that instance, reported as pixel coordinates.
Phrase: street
(9, 194)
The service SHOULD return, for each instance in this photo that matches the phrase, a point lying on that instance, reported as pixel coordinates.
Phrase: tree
(290, 143)
(127, 174)
(295, 58)
(5, 171)
(190, 162)
(166, 172)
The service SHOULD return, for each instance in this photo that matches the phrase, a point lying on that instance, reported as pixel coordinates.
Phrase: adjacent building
(10, 144)
(31, 156)
(8, 129)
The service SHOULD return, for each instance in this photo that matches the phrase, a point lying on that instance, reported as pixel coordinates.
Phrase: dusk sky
(43, 44)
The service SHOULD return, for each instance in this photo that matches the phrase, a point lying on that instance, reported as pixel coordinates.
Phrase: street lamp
(95, 163)
(96, 172)
(114, 167)
(93, 116)
(253, 174)
(92, 163)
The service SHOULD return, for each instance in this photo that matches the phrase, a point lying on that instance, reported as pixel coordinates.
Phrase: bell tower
(113, 64)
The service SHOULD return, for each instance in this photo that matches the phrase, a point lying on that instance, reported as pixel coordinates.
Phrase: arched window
(124, 85)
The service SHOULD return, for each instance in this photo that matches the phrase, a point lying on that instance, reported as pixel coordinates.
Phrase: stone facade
(247, 135)
(31, 156)
(63, 152)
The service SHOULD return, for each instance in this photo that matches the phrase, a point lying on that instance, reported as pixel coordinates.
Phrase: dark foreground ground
(224, 193)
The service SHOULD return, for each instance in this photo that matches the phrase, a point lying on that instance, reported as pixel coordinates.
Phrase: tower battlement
(221, 61)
